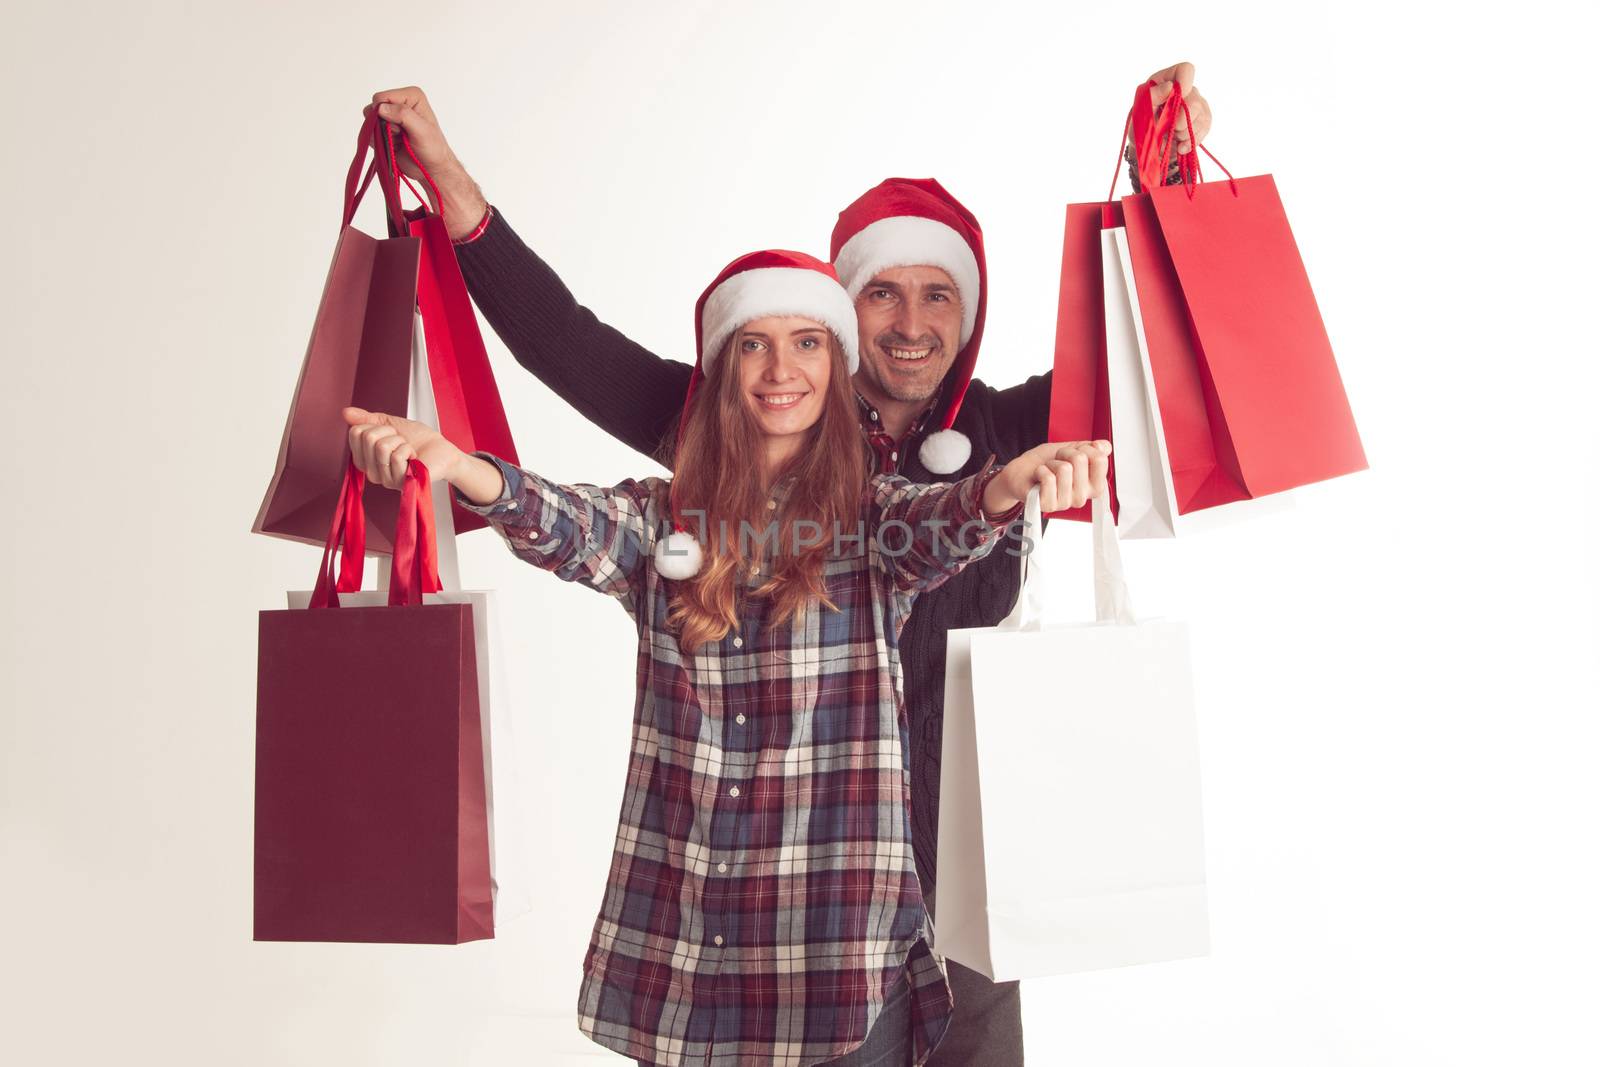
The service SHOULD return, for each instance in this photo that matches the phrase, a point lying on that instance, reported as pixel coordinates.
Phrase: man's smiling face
(910, 319)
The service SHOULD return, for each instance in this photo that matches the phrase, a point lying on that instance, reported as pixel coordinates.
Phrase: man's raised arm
(625, 389)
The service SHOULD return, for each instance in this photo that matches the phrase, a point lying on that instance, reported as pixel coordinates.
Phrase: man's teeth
(910, 353)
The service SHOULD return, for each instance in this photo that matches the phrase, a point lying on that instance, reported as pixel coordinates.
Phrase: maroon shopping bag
(370, 808)
(360, 353)
(1250, 398)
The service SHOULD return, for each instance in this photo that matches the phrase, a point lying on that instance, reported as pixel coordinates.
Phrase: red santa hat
(914, 222)
(755, 286)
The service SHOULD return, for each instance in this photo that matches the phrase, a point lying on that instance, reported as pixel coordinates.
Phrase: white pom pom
(945, 452)
(678, 556)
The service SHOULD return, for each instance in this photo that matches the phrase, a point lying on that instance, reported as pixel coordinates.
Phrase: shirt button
(717, 939)
(734, 791)
(740, 719)
(738, 642)
(722, 868)
(772, 505)
(874, 416)
(894, 455)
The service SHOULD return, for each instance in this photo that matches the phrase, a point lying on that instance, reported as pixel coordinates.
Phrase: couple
(792, 932)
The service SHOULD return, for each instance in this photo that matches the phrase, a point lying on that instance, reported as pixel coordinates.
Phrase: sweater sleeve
(625, 389)
(1019, 414)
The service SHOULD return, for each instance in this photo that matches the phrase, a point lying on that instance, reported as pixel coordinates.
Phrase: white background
(1396, 679)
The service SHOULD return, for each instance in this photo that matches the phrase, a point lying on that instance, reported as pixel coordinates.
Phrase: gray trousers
(985, 1031)
(986, 1028)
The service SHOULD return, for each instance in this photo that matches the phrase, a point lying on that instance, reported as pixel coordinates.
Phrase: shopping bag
(371, 811)
(469, 409)
(1080, 399)
(361, 341)
(1147, 506)
(1070, 829)
(359, 352)
(510, 878)
(1250, 398)
(1270, 389)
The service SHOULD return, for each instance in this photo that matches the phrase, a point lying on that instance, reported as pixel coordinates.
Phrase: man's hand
(408, 108)
(1182, 75)
(1068, 474)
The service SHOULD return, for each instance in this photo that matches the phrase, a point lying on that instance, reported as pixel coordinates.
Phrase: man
(911, 257)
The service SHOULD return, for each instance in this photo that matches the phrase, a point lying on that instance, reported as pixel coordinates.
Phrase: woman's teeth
(909, 354)
(780, 400)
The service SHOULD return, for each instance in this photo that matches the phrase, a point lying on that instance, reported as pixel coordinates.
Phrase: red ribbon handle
(414, 568)
(355, 186)
(393, 161)
(1153, 132)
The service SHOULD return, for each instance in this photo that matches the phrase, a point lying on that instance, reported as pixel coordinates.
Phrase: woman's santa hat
(913, 222)
(755, 286)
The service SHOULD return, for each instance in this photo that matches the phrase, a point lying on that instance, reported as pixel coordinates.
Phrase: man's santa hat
(913, 222)
(755, 286)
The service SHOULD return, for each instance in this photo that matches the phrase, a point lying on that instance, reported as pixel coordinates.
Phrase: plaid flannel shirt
(762, 900)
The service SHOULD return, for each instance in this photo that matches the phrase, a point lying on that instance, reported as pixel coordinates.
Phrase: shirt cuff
(987, 475)
(509, 500)
(477, 231)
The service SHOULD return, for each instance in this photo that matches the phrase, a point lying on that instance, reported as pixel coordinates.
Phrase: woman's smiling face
(785, 362)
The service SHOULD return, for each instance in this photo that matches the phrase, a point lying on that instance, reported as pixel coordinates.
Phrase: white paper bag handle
(1028, 612)
(1111, 600)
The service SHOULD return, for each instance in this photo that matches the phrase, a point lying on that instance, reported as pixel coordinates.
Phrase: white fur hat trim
(766, 291)
(912, 241)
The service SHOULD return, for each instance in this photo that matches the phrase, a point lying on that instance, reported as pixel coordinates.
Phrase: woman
(762, 905)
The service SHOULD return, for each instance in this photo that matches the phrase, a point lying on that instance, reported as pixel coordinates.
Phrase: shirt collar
(873, 424)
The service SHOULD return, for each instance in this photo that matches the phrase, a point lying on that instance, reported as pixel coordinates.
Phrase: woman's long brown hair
(718, 480)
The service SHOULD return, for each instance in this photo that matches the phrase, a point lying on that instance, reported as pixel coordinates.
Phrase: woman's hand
(462, 204)
(1068, 473)
(382, 445)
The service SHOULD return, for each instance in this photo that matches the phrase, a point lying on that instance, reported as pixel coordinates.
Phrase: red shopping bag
(470, 411)
(370, 814)
(360, 354)
(1080, 400)
(1250, 398)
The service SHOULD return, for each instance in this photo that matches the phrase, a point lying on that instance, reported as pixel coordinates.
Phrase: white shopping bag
(508, 852)
(1147, 504)
(1069, 824)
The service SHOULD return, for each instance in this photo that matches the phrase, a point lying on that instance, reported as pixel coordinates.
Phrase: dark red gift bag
(371, 822)
(1250, 397)
(360, 353)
